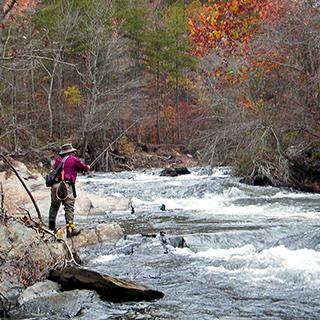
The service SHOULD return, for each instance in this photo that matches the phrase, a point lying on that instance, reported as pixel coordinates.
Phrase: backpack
(62, 191)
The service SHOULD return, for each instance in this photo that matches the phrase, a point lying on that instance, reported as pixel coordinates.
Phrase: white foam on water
(104, 258)
(235, 193)
(275, 264)
(226, 253)
(222, 201)
(141, 177)
(296, 195)
(219, 204)
(302, 259)
(301, 265)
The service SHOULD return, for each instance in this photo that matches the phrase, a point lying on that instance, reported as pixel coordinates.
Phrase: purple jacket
(71, 167)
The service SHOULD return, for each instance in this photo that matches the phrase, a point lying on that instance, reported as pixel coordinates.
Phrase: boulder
(25, 256)
(109, 288)
(60, 305)
(40, 289)
(174, 172)
(101, 233)
(15, 194)
(257, 180)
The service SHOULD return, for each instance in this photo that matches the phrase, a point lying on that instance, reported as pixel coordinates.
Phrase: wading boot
(71, 232)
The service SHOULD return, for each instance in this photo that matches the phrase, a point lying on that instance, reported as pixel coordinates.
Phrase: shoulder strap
(64, 159)
(60, 165)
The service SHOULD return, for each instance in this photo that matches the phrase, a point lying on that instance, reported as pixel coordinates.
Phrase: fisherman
(71, 167)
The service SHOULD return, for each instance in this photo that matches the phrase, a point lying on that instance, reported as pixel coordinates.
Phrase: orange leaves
(22, 6)
(225, 25)
(230, 25)
(230, 29)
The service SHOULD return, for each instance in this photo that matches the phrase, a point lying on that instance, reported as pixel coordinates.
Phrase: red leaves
(225, 25)
(228, 28)
(46, 41)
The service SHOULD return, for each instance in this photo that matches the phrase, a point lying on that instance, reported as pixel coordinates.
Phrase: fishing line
(110, 144)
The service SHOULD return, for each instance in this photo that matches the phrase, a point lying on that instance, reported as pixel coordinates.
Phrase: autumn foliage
(228, 28)
(226, 25)
(263, 57)
(235, 81)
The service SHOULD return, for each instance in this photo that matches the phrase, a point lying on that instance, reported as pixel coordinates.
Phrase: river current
(230, 251)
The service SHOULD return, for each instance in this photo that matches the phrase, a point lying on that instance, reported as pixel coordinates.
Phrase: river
(230, 251)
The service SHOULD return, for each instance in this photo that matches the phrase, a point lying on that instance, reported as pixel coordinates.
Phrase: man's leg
(54, 207)
(69, 214)
(69, 209)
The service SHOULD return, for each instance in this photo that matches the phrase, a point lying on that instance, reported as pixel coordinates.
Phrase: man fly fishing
(63, 189)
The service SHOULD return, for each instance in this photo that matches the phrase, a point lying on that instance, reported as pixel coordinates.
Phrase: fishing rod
(110, 144)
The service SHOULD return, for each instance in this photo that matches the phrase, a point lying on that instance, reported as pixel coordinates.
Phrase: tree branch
(24, 185)
(10, 7)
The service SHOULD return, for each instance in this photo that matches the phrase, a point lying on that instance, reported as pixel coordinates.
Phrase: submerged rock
(109, 288)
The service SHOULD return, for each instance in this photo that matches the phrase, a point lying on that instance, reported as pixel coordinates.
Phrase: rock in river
(174, 172)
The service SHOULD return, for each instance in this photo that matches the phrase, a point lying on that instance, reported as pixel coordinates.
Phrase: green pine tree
(178, 60)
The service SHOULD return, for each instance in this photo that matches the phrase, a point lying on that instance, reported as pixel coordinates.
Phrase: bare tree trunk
(49, 93)
(138, 135)
(158, 105)
(178, 111)
(84, 145)
(50, 108)
(14, 114)
(61, 116)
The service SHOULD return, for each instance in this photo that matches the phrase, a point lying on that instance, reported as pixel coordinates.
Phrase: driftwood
(109, 288)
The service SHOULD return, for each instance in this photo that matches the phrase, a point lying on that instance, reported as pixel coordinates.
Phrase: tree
(106, 64)
(57, 23)
(83, 38)
(178, 56)
(135, 22)
(157, 42)
(14, 43)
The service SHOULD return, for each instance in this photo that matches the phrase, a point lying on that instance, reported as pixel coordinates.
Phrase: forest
(235, 83)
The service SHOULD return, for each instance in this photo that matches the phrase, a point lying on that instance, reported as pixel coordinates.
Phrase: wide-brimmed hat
(67, 148)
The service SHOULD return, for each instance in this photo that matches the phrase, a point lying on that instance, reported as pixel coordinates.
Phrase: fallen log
(109, 288)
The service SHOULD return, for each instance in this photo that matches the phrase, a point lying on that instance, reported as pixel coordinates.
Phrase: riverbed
(217, 248)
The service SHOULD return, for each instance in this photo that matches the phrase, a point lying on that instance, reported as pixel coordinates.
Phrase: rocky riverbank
(27, 252)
